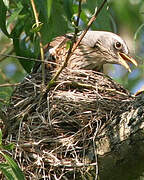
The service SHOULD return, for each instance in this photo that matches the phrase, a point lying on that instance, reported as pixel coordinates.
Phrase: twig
(74, 46)
(69, 51)
(94, 147)
(88, 86)
(89, 24)
(78, 18)
(9, 85)
(29, 59)
(5, 49)
(41, 46)
(4, 76)
(2, 101)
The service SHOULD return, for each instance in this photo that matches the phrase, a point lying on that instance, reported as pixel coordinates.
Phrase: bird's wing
(50, 51)
(58, 41)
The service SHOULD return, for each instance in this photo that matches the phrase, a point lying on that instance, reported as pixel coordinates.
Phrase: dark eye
(118, 45)
(95, 46)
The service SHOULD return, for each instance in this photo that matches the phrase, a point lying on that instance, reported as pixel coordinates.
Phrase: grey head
(108, 48)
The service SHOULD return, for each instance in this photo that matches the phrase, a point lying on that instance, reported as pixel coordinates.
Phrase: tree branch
(41, 46)
(74, 46)
(9, 85)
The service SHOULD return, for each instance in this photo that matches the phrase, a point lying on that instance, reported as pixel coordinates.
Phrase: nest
(55, 135)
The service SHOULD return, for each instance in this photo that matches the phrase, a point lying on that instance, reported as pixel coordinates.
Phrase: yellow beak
(123, 58)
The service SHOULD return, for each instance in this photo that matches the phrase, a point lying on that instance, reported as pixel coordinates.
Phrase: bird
(95, 49)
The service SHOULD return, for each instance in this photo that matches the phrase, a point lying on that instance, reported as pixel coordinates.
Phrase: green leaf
(8, 147)
(7, 171)
(15, 13)
(137, 34)
(56, 25)
(49, 2)
(21, 46)
(35, 28)
(21, 50)
(68, 44)
(68, 4)
(102, 21)
(15, 169)
(3, 11)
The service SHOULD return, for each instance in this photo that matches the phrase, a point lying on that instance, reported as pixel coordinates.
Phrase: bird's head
(108, 47)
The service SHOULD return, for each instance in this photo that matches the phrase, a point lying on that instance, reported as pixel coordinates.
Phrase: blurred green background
(18, 35)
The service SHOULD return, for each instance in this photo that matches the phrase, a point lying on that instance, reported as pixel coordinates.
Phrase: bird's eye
(118, 45)
(96, 46)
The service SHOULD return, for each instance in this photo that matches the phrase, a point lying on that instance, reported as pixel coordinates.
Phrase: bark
(121, 146)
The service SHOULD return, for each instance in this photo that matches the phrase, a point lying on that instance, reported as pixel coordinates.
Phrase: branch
(5, 49)
(4, 76)
(77, 21)
(9, 85)
(74, 46)
(89, 25)
(70, 52)
(41, 46)
(28, 59)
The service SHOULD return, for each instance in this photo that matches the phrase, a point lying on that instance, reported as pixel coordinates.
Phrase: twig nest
(55, 134)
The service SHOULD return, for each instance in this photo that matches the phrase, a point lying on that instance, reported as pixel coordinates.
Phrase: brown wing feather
(58, 41)
(59, 51)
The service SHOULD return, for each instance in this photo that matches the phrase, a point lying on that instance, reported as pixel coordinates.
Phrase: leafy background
(18, 35)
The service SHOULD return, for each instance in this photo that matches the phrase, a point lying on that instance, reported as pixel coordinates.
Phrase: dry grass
(55, 136)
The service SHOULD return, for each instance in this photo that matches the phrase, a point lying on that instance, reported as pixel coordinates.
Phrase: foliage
(52, 14)
(19, 36)
(129, 16)
(10, 169)
(56, 17)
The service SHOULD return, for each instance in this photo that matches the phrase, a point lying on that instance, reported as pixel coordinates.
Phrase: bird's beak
(123, 58)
